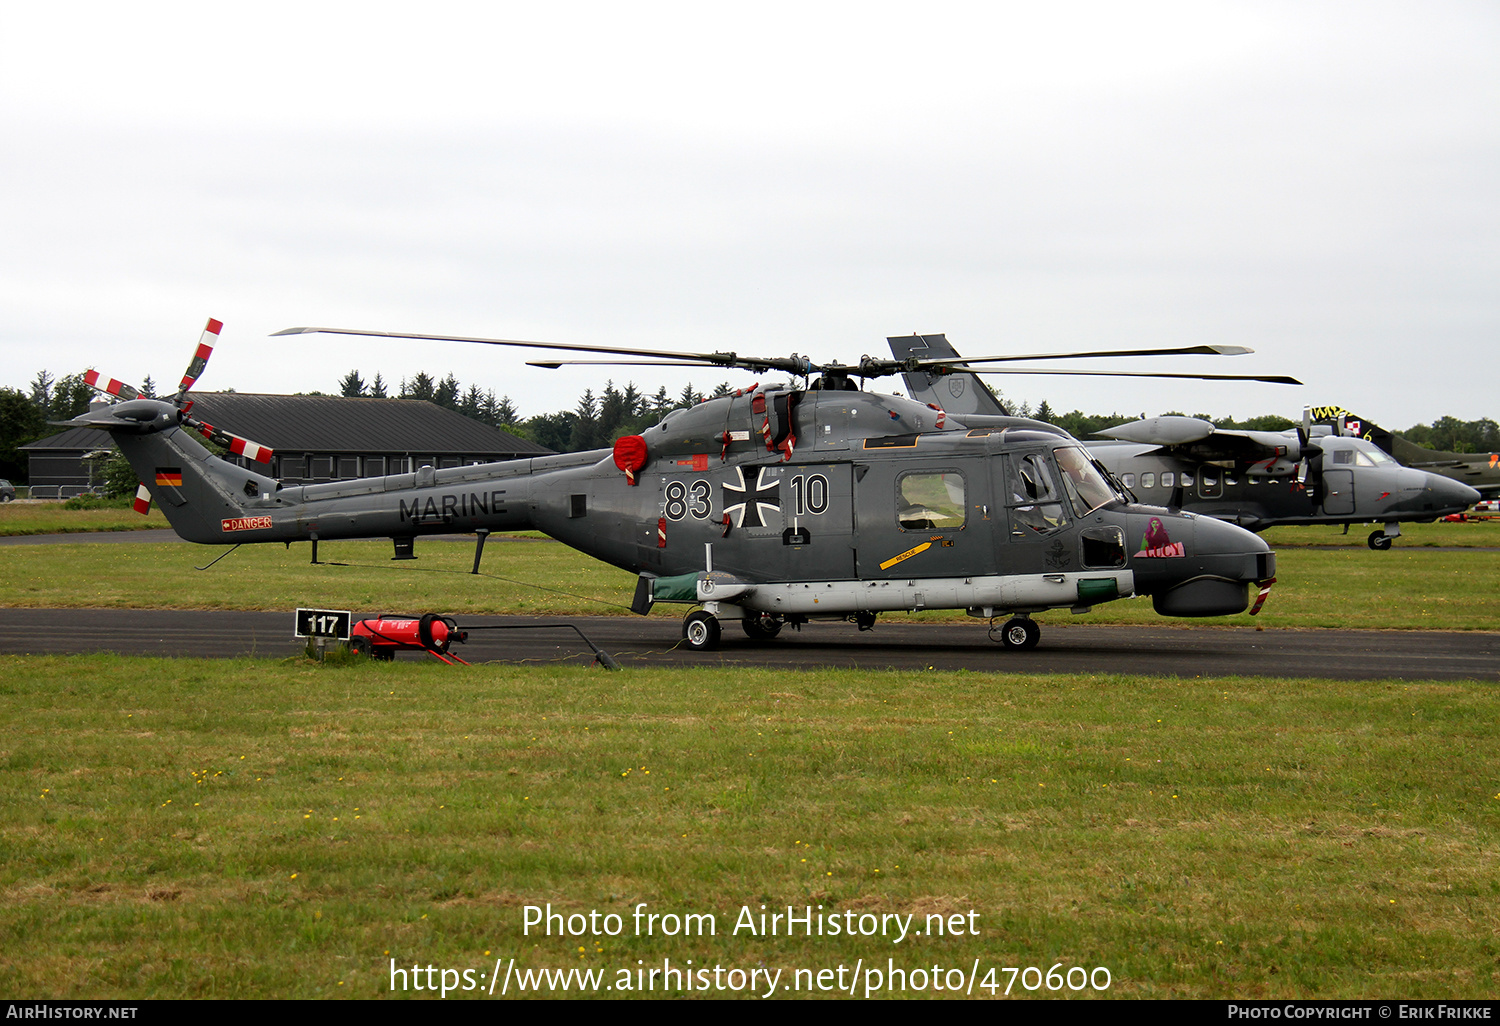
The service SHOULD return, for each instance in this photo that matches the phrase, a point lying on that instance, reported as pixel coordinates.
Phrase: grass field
(182, 828)
(50, 518)
(1410, 587)
(178, 828)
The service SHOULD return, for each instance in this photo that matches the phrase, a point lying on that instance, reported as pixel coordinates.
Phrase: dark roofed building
(314, 437)
(58, 467)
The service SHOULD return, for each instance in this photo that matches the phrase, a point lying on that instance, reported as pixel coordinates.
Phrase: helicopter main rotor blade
(801, 365)
(555, 364)
(1275, 379)
(794, 364)
(1203, 350)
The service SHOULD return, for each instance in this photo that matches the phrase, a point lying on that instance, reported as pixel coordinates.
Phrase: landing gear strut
(1019, 633)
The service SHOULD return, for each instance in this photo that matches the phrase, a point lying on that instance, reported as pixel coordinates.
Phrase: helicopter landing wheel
(1379, 541)
(762, 626)
(1020, 633)
(701, 630)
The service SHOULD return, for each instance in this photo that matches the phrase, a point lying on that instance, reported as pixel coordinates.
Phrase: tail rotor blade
(109, 386)
(206, 343)
(142, 503)
(234, 443)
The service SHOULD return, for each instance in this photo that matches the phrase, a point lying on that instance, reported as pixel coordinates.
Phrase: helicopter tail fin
(956, 393)
(204, 498)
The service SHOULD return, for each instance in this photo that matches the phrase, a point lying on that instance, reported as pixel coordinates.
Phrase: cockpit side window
(1379, 457)
(1034, 497)
(1087, 488)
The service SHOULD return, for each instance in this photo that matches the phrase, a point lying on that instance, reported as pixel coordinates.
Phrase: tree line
(595, 422)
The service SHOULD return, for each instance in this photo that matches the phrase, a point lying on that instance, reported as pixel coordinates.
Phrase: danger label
(245, 524)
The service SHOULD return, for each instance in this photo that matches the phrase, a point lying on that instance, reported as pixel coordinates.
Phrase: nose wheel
(700, 629)
(1379, 541)
(1019, 633)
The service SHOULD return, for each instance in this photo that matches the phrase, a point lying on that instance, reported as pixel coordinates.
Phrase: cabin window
(1166, 479)
(1129, 480)
(1343, 457)
(930, 501)
(1187, 479)
(1148, 480)
(1034, 497)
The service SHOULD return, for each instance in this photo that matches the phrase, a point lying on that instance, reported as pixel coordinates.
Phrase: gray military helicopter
(774, 506)
(1256, 479)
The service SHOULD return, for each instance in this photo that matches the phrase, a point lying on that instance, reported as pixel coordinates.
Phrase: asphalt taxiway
(656, 641)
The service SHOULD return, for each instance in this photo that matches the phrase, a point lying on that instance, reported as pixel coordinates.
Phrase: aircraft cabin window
(1362, 460)
(1343, 457)
(930, 501)
(1129, 480)
(1187, 479)
(1166, 479)
(1148, 480)
(1103, 547)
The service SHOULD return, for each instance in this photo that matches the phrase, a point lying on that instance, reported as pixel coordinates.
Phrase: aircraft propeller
(1310, 468)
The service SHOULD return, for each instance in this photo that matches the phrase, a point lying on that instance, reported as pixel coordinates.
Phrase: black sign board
(323, 623)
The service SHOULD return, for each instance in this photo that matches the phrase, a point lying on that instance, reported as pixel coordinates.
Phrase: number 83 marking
(809, 496)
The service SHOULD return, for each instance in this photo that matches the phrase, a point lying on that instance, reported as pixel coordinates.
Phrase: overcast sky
(1319, 181)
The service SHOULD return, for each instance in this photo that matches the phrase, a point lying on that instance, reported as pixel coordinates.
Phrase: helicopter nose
(1198, 566)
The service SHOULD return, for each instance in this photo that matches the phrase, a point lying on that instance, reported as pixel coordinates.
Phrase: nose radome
(1449, 494)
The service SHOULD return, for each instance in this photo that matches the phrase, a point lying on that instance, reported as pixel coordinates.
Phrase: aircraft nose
(1448, 495)
(1198, 566)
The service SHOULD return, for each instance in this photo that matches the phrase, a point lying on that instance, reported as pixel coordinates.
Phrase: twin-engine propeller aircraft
(774, 506)
(1256, 479)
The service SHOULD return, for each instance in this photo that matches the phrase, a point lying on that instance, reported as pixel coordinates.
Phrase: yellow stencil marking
(905, 555)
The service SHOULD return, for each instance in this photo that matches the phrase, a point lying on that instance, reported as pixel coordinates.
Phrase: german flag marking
(169, 476)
